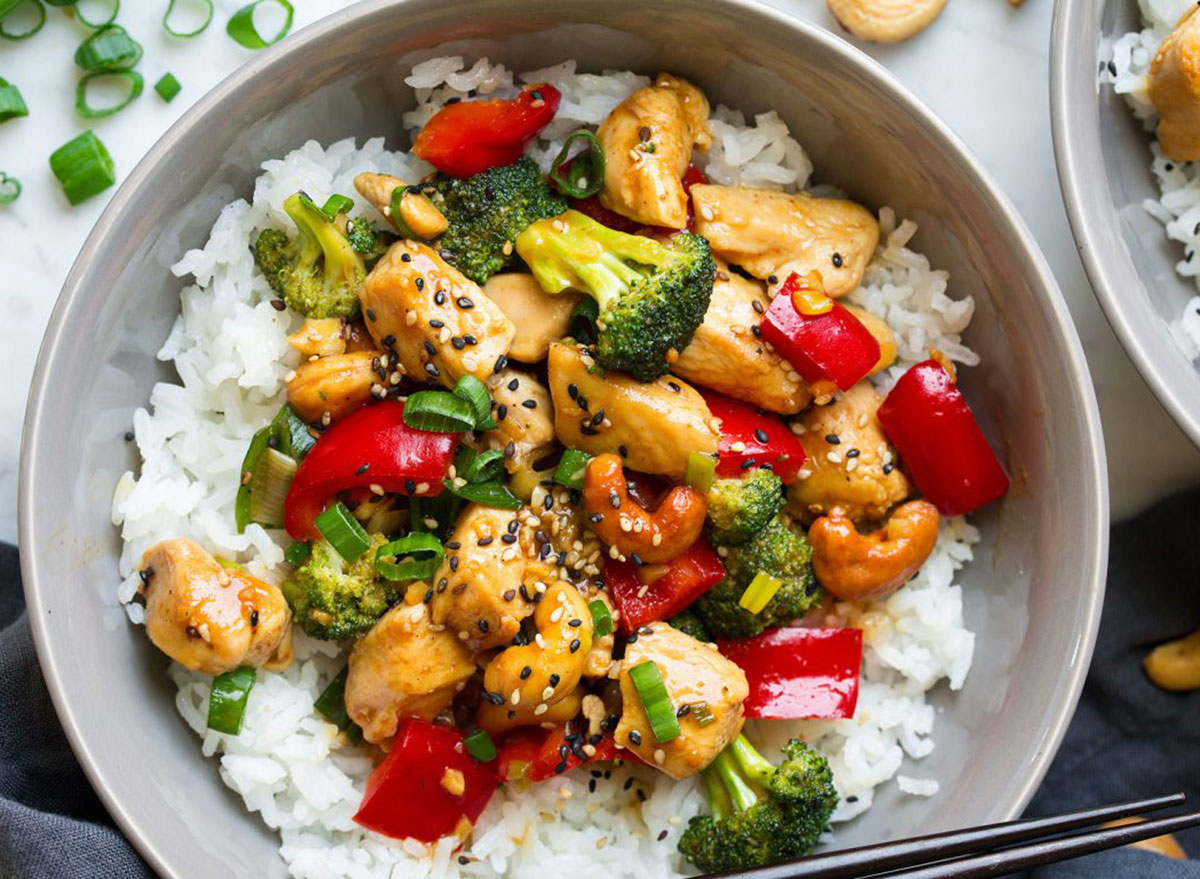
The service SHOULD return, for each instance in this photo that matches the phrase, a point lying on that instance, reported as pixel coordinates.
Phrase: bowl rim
(1024, 247)
(1079, 156)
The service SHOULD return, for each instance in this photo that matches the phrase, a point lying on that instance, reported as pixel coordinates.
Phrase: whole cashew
(1176, 664)
(418, 214)
(499, 719)
(619, 521)
(545, 671)
(854, 566)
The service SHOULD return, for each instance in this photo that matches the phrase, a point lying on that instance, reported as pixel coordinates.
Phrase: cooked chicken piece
(539, 317)
(652, 425)
(727, 356)
(849, 462)
(693, 673)
(211, 618)
(648, 140)
(438, 323)
(524, 415)
(404, 667)
(1175, 89)
(331, 387)
(320, 337)
(776, 233)
(480, 589)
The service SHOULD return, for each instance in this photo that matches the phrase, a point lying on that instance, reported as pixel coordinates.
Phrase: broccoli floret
(690, 624)
(333, 599)
(487, 212)
(365, 240)
(318, 273)
(651, 296)
(761, 814)
(738, 509)
(779, 550)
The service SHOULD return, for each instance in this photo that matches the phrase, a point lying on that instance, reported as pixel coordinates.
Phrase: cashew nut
(418, 214)
(618, 520)
(1176, 664)
(854, 566)
(499, 719)
(885, 21)
(545, 671)
(1166, 845)
(333, 386)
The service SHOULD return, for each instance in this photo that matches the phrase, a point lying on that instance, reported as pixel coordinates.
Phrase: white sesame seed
(515, 698)
(660, 756)
(376, 488)
(656, 540)
(410, 318)
(834, 457)
(541, 709)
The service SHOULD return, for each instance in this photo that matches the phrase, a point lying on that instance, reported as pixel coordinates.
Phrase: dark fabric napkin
(1128, 740)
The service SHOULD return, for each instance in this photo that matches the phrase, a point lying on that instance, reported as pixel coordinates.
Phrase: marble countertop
(983, 66)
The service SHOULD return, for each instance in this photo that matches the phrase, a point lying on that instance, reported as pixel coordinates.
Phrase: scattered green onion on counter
(480, 746)
(168, 87)
(332, 705)
(241, 25)
(10, 189)
(197, 29)
(760, 592)
(338, 525)
(571, 468)
(476, 393)
(648, 681)
(111, 7)
(413, 557)
(439, 411)
(87, 111)
(12, 104)
(83, 166)
(701, 469)
(8, 12)
(227, 700)
(602, 621)
(584, 174)
(110, 48)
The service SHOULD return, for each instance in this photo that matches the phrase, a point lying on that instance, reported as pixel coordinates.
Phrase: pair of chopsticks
(993, 850)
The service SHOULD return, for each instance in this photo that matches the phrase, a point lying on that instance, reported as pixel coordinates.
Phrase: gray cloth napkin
(1128, 740)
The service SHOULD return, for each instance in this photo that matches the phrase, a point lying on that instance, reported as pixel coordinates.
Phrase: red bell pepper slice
(929, 422)
(531, 754)
(372, 446)
(753, 438)
(406, 796)
(797, 673)
(831, 347)
(470, 137)
(688, 577)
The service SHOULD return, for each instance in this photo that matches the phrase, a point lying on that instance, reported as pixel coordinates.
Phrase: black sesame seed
(761, 435)
(465, 302)
(453, 563)
(887, 468)
(628, 783)
(486, 541)
(575, 624)
(454, 544)
(509, 538)
(575, 645)
(636, 738)
(747, 464)
(458, 343)
(853, 453)
(429, 349)
(410, 487)
(644, 133)
(587, 430)
(406, 257)
(514, 384)
(758, 307)
(596, 518)
(572, 391)
(510, 449)
(419, 284)
(437, 324)
(833, 439)
(363, 469)
(129, 436)
(494, 698)
(483, 626)
(469, 339)
(591, 785)
(432, 369)
(370, 315)
(501, 362)
(662, 835)
(837, 261)
(529, 404)
(439, 298)
(278, 304)
(501, 412)
(509, 594)
(388, 340)
(253, 618)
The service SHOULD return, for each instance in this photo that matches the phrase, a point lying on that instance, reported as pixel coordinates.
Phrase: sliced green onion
(480, 746)
(571, 468)
(83, 167)
(295, 438)
(648, 681)
(338, 525)
(269, 487)
(297, 553)
(87, 111)
(421, 554)
(275, 437)
(602, 621)
(701, 469)
(438, 411)
(332, 705)
(112, 7)
(168, 87)
(12, 104)
(760, 591)
(476, 393)
(485, 467)
(337, 204)
(7, 6)
(196, 31)
(227, 700)
(10, 189)
(59, 2)
(490, 494)
(581, 325)
(241, 25)
(6, 19)
(110, 48)
(584, 176)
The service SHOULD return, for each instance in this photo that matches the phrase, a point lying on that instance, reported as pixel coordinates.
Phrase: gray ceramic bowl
(1033, 594)
(1104, 165)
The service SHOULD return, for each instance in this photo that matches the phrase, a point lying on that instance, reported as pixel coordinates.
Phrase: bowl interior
(1032, 594)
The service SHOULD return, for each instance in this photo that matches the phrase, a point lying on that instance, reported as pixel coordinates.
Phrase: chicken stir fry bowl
(1032, 595)
(1104, 165)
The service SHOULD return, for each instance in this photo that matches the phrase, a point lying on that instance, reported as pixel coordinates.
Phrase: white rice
(288, 764)
(1178, 204)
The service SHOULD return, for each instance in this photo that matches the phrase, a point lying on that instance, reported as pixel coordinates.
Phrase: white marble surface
(983, 67)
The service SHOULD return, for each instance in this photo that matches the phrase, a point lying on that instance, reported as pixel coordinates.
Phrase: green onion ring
(656, 701)
(338, 525)
(414, 557)
(476, 393)
(83, 166)
(241, 25)
(602, 621)
(486, 467)
(112, 16)
(59, 2)
(12, 105)
(136, 84)
(227, 700)
(585, 175)
(571, 468)
(490, 494)
(439, 412)
(23, 35)
(109, 48)
(10, 189)
(184, 35)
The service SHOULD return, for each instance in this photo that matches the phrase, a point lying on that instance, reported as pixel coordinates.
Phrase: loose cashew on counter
(854, 566)
(656, 536)
(1176, 664)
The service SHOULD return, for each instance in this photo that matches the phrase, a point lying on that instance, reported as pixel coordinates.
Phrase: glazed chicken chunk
(405, 666)
(771, 233)
(480, 592)
(849, 462)
(524, 416)
(331, 387)
(648, 140)
(439, 324)
(210, 618)
(652, 425)
(696, 676)
(1175, 89)
(539, 318)
(727, 356)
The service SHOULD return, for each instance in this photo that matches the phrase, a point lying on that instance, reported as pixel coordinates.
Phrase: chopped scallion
(9, 17)
(480, 746)
(87, 111)
(83, 167)
(110, 7)
(438, 411)
(168, 87)
(701, 469)
(59, 2)
(241, 25)
(474, 392)
(413, 557)
(272, 477)
(332, 705)
(196, 30)
(297, 553)
(582, 175)
(12, 104)
(485, 467)
(279, 437)
(490, 494)
(10, 188)
(110, 48)
(581, 325)
(337, 204)
(571, 468)
(602, 621)
(227, 700)
(648, 681)
(760, 592)
(338, 525)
